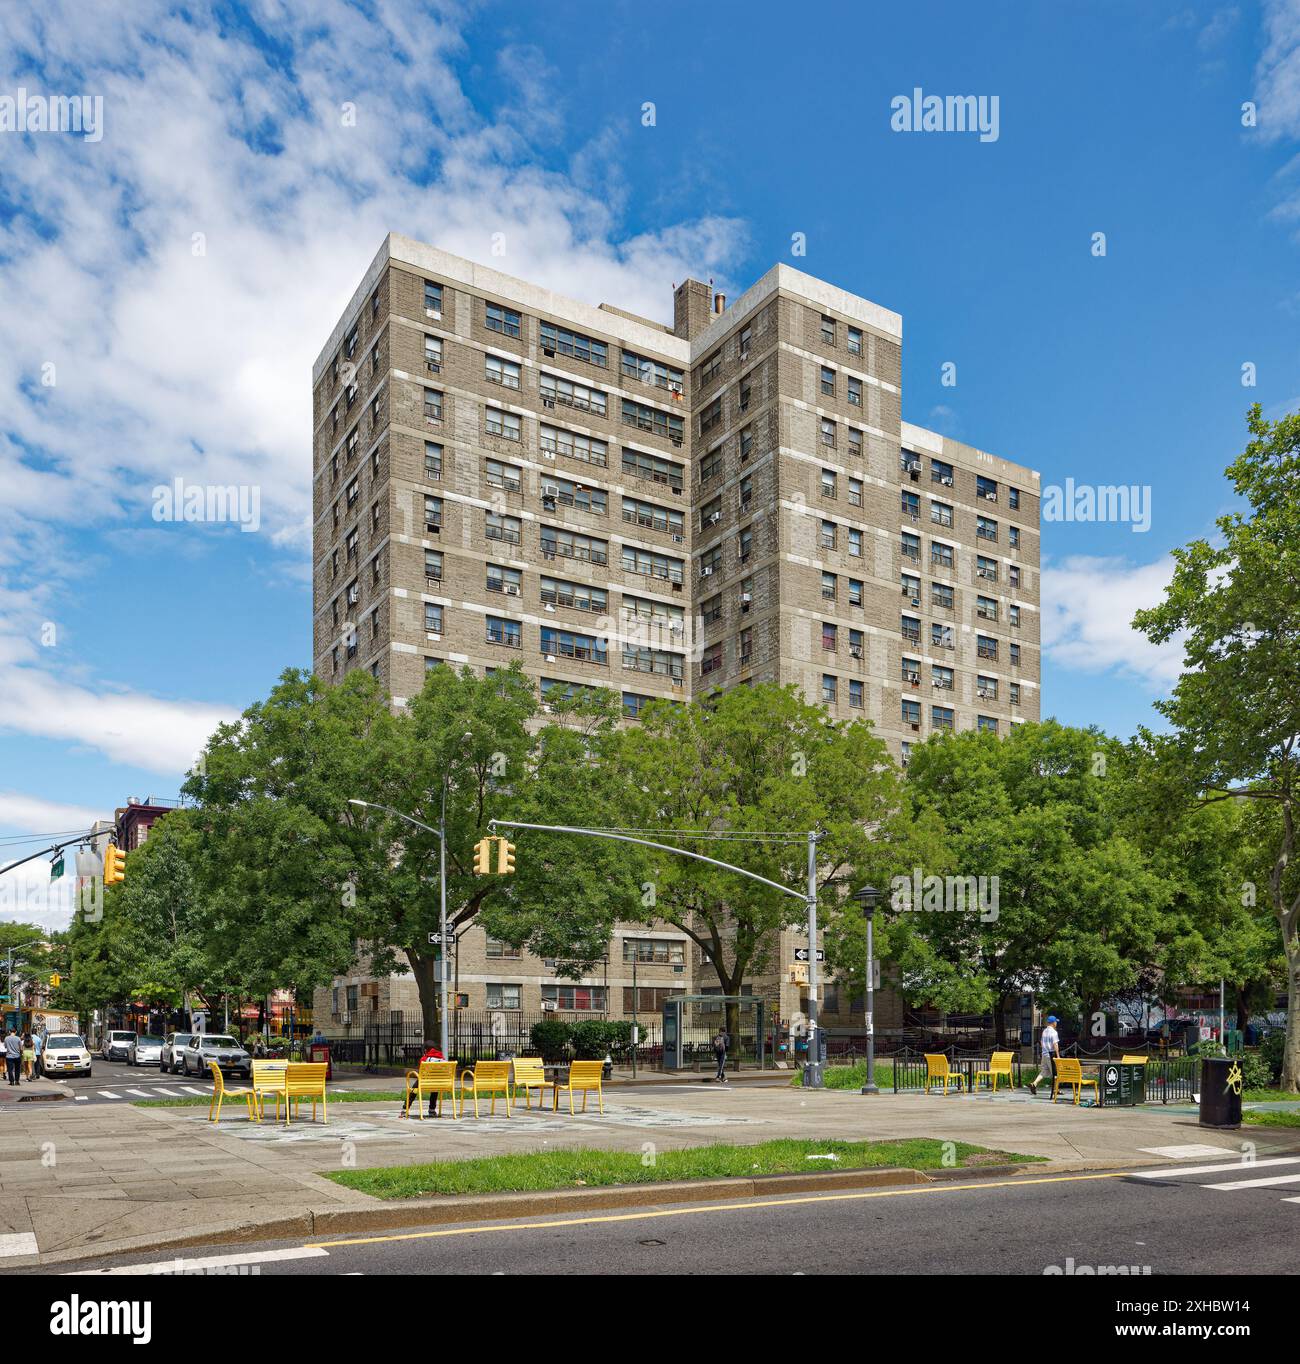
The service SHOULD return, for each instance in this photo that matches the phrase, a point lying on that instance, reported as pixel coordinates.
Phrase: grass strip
(588, 1167)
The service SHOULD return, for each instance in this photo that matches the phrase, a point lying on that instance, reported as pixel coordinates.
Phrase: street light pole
(812, 1071)
(868, 897)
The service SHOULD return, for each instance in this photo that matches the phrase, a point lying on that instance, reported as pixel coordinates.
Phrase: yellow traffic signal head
(483, 856)
(506, 857)
(54, 981)
(114, 865)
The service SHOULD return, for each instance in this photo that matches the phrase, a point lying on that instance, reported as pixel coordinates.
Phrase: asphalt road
(116, 1082)
(1195, 1219)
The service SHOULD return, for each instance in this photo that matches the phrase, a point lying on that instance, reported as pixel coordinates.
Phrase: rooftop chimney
(719, 304)
(691, 308)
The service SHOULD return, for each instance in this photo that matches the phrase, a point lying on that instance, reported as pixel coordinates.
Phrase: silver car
(169, 1055)
(226, 1051)
(145, 1050)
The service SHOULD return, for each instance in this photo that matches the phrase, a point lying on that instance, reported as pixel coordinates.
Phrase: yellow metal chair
(220, 1092)
(268, 1078)
(999, 1065)
(937, 1070)
(305, 1080)
(1069, 1071)
(530, 1075)
(585, 1077)
(487, 1078)
(432, 1077)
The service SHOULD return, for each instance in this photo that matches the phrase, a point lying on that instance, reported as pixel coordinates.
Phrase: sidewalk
(76, 1179)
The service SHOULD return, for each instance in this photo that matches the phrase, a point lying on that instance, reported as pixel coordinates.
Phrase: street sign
(801, 954)
(56, 868)
(436, 938)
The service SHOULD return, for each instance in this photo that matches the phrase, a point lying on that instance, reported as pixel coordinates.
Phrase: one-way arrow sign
(801, 954)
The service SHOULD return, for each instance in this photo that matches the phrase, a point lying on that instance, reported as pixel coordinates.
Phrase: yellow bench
(220, 1092)
(487, 1077)
(432, 1077)
(530, 1075)
(937, 1069)
(1069, 1071)
(585, 1077)
(1133, 1060)
(305, 1080)
(1000, 1065)
(268, 1078)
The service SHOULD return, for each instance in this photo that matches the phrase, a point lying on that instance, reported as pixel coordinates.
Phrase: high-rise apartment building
(502, 473)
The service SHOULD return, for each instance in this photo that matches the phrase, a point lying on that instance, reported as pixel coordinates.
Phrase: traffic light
(114, 865)
(483, 857)
(54, 981)
(505, 857)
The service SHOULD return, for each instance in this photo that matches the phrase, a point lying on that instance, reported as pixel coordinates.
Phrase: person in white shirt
(1049, 1049)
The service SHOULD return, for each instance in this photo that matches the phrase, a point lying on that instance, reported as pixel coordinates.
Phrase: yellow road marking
(793, 1200)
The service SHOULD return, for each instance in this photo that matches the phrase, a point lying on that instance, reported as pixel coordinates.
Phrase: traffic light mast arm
(646, 843)
(53, 848)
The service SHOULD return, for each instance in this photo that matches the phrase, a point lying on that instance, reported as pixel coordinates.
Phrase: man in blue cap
(1048, 1050)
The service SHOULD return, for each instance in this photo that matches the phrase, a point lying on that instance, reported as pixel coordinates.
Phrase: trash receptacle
(1123, 1086)
(1221, 1085)
(322, 1053)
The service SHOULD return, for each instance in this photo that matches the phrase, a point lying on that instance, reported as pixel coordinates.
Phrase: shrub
(593, 1038)
(1255, 1071)
(550, 1038)
(1270, 1052)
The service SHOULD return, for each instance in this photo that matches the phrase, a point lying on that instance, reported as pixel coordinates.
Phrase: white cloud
(1088, 604)
(35, 814)
(1277, 75)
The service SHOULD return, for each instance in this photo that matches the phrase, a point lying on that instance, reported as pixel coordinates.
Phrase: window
(855, 693)
(433, 354)
(575, 998)
(500, 579)
(506, 476)
(556, 592)
(560, 392)
(503, 372)
(746, 443)
(648, 564)
(711, 660)
(568, 644)
(353, 442)
(503, 320)
(855, 592)
(711, 561)
(651, 517)
(941, 473)
(432, 405)
(433, 617)
(911, 628)
(940, 513)
(941, 717)
(855, 443)
(352, 491)
(904, 752)
(830, 687)
(1013, 498)
(710, 514)
(374, 570)
(711, 610)
(986, 568)
(745, 544)
(986, 488)
(1013, 575)
(1013, 615)
(432, 515)
(1015, 693)
(986, 724)
(828, 330)
(1013, 535)
(432, 298)
(854, 387)
(828, 381)
(986, 647)
(646, 418)
(912, 671)
(986, 529)
(909, 463)
(350, 345)
(941, 594)
(829, 482)
(986, 688)
(911, 713)
(580, 496)
(940, 554)
(826, 536)
(828, 432)
(745, 341)
(643, 659)
(941, 677)
(986, 608)
(910, 504)
(498, 950)
(432, 461)
(568, 544)
(745, 646)
(942, 636)
(634, 703)
(855, 543)
(433, 564)
(828, 586)
(559, 340)
(653, 467)
(711, 416)
(651, 372)
(501, 996)
(506, 425)
(508, 529)
(1015, 655)
(709, 368)
(654, 950)
(573, 446)
(855, 492)
(710, 467)
(507, 632)
(746, 491)
(855, 340)
(911, 546)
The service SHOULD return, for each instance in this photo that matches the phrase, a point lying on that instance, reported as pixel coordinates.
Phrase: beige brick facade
(503, 473)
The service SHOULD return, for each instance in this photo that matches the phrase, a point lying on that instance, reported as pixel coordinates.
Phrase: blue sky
(167, 287)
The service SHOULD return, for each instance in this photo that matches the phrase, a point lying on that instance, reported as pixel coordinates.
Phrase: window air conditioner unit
(550, 658)
(548, 1005)
(511, 590)
(946, 480)
(745, 598)
(679, 539)
(855, 650)
(714, 518)
(706, 572)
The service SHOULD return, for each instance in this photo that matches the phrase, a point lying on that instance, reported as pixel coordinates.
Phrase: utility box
(1122, 1086)
(1221, 1086)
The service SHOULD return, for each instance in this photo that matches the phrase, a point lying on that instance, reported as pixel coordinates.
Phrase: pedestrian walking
(1049, 1048)
(29, 1056)
(38, 1041)
(721, 1041)
(13, 1055)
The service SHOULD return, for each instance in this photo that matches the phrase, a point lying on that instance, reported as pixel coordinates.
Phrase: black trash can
(1221, 1086)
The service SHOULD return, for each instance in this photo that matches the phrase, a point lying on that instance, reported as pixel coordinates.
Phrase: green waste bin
(1122, 1086)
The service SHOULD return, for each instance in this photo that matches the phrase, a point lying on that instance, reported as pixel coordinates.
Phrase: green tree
(1235, 709)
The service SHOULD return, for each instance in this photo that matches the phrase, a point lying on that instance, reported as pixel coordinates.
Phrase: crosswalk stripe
(191, 1089)
(140, 1093)
(1291, 1200)
(167, 1093)
(109, 1094)
(179, 1266)
(1255, 1183)
(1180, 1170)
(82, 1098)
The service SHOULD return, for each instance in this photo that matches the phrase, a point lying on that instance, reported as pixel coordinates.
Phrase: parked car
(169, 1054)
(144, 1050)
(117, 1042)
(65, 1053)
(204, 1048)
